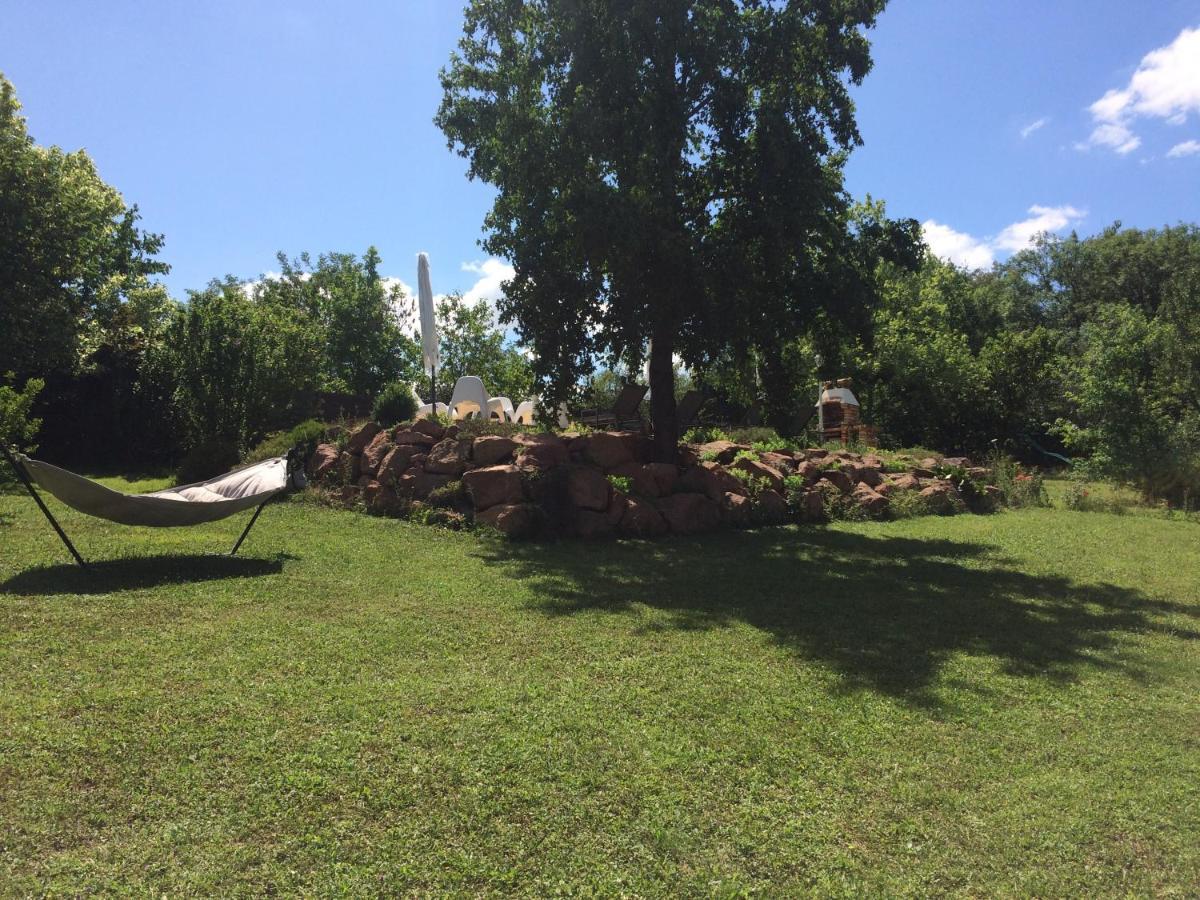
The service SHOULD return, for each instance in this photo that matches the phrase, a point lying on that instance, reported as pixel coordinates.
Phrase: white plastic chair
(426, 409)
(524, 413)
(470, 397)
(501, 408)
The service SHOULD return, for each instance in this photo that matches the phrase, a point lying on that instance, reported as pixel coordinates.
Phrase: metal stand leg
(24, 478)
(249, 525)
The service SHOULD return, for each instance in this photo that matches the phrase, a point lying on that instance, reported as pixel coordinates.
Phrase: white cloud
(492, 273)
(1034, 126)
(1020, 235)
(956, 246)
(1165, 86)
(1187, 148)
(965, 250)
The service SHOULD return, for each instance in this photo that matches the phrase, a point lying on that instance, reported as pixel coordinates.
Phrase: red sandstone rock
(870, 500)
(448, 457)
(516, 520)
(735, 510)
(838, 479)
(374, 453)
(770, 508)
(591, 524)
(812, 507)
(541, 451)
(690, 513)
(491, 449)
(494, 485)
(413, 438)
(641, 519)
(756, 469)
(432, 428)
(710, 479)
(940, 497)
(362, 436)
(394, 464)
(323, 460)
(720, 451)
(588, 488)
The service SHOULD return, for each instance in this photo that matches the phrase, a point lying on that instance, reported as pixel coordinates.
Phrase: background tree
(238, 364)
(363, 319)
(71, 255)
(668, 175)
(470, 343)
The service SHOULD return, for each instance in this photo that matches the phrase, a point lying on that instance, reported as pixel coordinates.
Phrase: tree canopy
(74, 266)
(668, 175)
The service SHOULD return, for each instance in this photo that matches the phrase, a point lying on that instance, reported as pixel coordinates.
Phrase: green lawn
(988, 705)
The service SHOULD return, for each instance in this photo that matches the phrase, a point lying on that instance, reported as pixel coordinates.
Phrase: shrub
(17, 427)
(308, 434)
(704, 434)
(206, 460)
(756, 435)
(394, 404)
(907, 505)
(479, 427)
(1019, 487)
(622, 483)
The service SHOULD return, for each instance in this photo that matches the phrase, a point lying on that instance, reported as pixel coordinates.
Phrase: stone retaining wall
(603, 483)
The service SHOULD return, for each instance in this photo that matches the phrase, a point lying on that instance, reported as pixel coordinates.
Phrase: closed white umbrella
(429, 339)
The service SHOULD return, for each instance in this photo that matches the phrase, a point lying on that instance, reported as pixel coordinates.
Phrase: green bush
(395, 404)
(756, 436)
(704, 434)
(1018, 486)
(17, 427)
(307, 434)
(207, 460)
(622, 483)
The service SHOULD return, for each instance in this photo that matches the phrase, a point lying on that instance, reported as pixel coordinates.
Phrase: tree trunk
(662, 396)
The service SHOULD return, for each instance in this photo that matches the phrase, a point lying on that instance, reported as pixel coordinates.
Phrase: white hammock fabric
(188, 504)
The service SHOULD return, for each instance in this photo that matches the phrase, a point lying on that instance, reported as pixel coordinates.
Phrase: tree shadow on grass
(885, 612)
(131, 573)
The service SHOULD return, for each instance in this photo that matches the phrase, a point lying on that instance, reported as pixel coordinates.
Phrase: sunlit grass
(977, 705)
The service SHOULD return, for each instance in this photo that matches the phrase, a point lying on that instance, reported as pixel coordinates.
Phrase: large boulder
(515, 520)
(815, 453)
(940, 497)
(870, 501)
(541, 451)
(432, 428)
(411, 437)
(810, 506)
(735, 510)
(374, 453)
(611, 449)
(960, 462)
(448, 457)
(494, 485)
(394, 464)
(711, 480)
(868, 475)
(640, 519)
(838, 479)
(770, 508)
(323, 460)
(783, 463)
(588, 488)
(424, 483)
(361, 436)
(490, 449)
(720, 451)
(655, 479)
(905, 482)
(810, 471)
(690, 513)
(756, 469)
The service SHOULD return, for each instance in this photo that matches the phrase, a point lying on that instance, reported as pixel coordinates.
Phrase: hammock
(188, 504)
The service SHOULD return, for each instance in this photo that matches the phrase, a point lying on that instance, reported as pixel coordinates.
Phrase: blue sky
(244, 128)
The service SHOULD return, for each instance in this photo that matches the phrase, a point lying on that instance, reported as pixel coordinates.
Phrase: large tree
(74, 266)
(668, 175)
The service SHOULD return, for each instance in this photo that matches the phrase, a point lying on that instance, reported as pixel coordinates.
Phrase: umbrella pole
(24, 479)
(433, 390)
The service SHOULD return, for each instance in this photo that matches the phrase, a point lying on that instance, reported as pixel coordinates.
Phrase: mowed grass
(981, 705)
